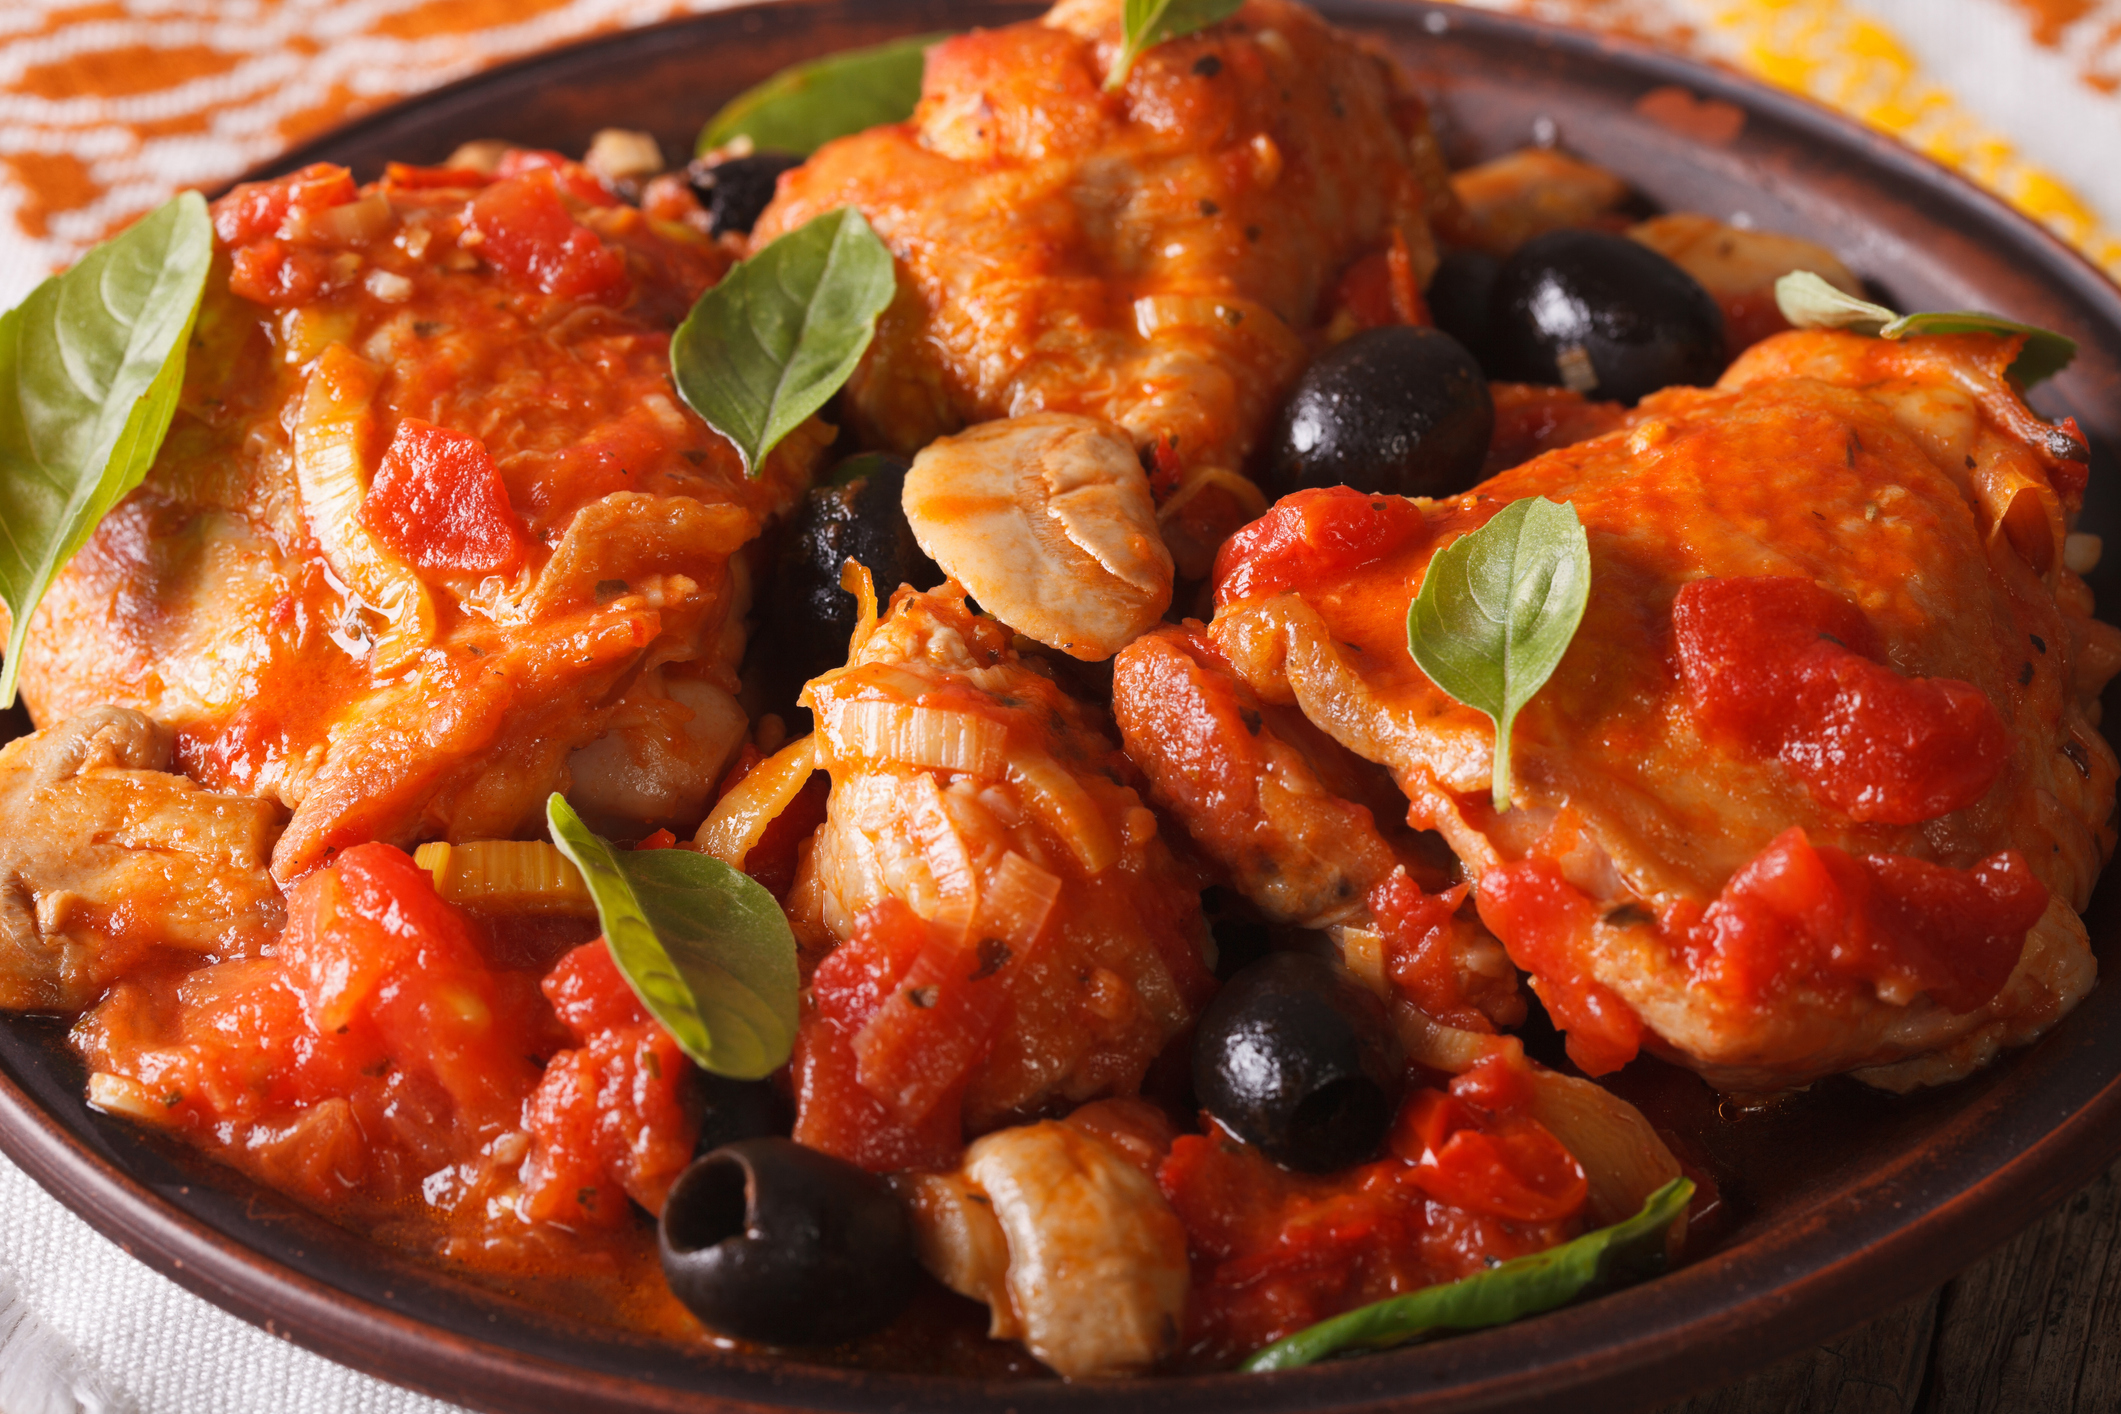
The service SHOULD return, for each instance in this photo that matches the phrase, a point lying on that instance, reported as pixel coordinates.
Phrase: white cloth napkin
(83, 1327)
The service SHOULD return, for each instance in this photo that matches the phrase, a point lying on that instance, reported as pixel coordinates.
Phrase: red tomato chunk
(1538, 915)
(1799, 913)
(1464, 1185)
(438, 501)
(1309, 536)
(524, 229)
(1791, 669)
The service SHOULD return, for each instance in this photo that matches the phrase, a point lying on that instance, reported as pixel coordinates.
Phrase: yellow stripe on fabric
(1826, 50)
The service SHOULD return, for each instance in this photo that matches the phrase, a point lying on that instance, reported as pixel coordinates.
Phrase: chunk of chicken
(1299, 823)
(1072, 1246)
(1046, 520)
(501, 349)
(105, 855)
(1153, 255)
(1670, 880)
(970, 788)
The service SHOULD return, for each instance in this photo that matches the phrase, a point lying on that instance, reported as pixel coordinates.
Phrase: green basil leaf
(90, 367)
(1598, 1261)
(800, 109)
(1809, 302)
(767, 346)
(1149, 23)
(1497, 610)
(705, 948)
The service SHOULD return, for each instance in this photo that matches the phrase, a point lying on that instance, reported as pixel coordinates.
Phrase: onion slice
(938, 738)
(741, 817)
(507, 876)
(1059, 800)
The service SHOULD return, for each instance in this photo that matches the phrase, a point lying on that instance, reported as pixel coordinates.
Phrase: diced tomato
(614, 1119)
(1381, 289)
(1800, 914)
(1274, 1251)
(939, 1021)
(1309, 536)
(1419, 957)
(1507, 1166)
(256, 210)
(571, 176)
(1789, 668)
(835, 1112)
(439, 502)
(276, 274)
(1542, 919)
(524, 229)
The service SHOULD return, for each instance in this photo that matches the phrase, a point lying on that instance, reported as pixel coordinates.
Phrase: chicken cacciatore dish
(980, 743)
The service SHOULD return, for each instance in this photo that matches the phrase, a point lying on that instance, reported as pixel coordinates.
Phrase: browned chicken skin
(1155, 257)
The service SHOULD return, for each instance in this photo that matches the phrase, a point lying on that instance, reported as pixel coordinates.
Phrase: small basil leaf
(1809, 302)
(90, 367)
(705, 948)
(1149, 23)
(1598, 1261)
(1497, 610)
(800, 109)
(767, 346)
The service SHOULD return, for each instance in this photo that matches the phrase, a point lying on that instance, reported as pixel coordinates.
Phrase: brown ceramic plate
(1838, 1205)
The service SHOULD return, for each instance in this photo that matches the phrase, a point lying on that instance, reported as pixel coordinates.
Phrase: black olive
(858, 516)
(1458, 298)
(1399, 410)
(739, 1109)
(769, 1241)
(1297, 1057)
(1601, 314)
(736, 189)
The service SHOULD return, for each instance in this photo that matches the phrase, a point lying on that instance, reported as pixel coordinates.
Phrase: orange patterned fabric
(105, 108)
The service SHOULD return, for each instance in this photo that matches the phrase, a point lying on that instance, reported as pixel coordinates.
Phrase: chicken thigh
(1154, 256)
(1817, 785)
(430, 520)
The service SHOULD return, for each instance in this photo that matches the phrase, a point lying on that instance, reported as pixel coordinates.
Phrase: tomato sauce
(1792, 669)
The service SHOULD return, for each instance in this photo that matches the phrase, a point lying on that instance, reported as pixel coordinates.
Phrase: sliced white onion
(1050, 792)
(741, 817)
(939, 738)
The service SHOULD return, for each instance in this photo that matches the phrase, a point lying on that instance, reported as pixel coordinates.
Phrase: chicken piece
(1294, 819)
(1527, 193)
(1815, 787)
(104, 855)
(1152, 256)
(1008, 933)
(429, 519)
(1047, 520)
(1068, 1241)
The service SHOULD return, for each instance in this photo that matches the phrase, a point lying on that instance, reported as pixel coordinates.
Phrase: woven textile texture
(109, 106)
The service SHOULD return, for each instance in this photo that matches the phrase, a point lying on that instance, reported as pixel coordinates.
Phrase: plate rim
(1733, 1332)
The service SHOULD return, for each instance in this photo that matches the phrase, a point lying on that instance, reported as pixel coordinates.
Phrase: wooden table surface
(2034, 1326)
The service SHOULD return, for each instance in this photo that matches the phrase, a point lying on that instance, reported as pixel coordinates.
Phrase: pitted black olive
(859, 515)
(1297, 1057)
(736, 190)
(1400, 410)
(739, 1109)
(1601, 314)
(1458, 298)
(769, 1241)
